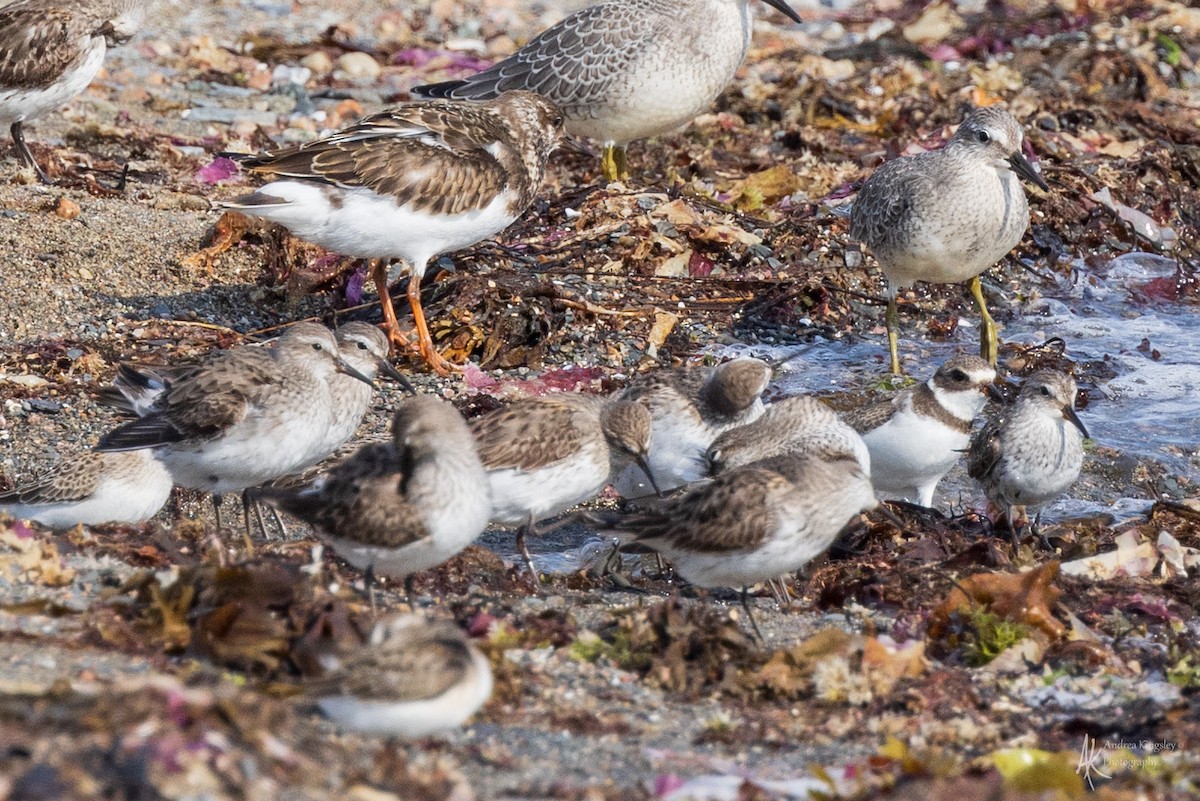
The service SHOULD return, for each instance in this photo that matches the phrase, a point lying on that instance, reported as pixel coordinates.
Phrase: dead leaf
(1025, 598)
(34, 559)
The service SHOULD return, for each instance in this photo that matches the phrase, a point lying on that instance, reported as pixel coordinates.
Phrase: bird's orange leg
(424, 341)
(398, 338)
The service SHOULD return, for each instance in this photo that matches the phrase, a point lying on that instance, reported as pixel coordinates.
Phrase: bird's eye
(1045, 391)
(362, 346)
(316, 346)
(958, 375)
(983, 136)
(558, 120)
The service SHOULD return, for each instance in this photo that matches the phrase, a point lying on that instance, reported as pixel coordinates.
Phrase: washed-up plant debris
(924, 658)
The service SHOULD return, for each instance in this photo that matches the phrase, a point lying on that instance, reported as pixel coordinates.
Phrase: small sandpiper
(91, 488)
(947, 215)
(800, 424)
(244, 416)
(545, 455)
(1031, 451)
(410, 183)
(689, 408)
(403, 506)
(50, 50)
(413, 678)
(755, 522)
(624, 70)
(919, 433)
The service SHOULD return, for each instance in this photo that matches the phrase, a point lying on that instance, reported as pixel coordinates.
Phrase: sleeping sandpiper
(400, 507)
(410, 183)
(947, 215)
(624, 70)
(244, 416)
(754, 522)
(1031, 451)
(800, 424)
(919, 433)
(545, 455)
(689, 408)
(50, 50)
(413, 678)
(90, 488)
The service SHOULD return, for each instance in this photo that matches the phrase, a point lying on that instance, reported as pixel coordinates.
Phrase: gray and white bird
(412, 678)
(546, 455)
(689, 408)
(1031, 451)
(244, 416)
(625, 70)
(919, 433)
(404, 506)
(50, 50)
(800, 424)
(410, 183)
(947, 215)
(90, 488)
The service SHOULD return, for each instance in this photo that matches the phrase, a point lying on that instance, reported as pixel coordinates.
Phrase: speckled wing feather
(202, 403)
(871, 416)
(424, 668)
(73, 480)
(526, 436)
(572, 63)
(885, 204)
(984, 452)
(364, 499)
(713, 518)
(39, 41)
(442, 158)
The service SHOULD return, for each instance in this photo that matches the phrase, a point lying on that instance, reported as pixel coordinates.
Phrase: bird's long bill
(1069, 413)
(1023, 168)
(391, 372)
(783, 8)
(642, 463)
(346, 369)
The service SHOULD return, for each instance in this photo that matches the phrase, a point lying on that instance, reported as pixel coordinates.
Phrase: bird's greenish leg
(893, 333)
(608, 163)
(989, 343)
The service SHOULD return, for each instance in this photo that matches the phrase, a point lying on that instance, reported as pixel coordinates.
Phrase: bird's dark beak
(1068, 411)
(784, 8)
(1023, 168)
(642, 463)
(996, 393)
(346, 369)
(391, 372)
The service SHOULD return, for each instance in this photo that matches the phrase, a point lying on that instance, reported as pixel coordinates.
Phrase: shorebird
(689, 408)
(412, 678)
(1031, 451)
(410, 183)
(244, 416)
(403, 506)
(800, 424)
(919, 433)
(947, 215)
(754, 522)
(50, 50)
(545, 455)
(90, 488)
(624, 70)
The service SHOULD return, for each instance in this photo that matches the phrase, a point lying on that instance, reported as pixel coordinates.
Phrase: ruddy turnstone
(50, 50)
(1031, 451)
(90, 488)
(418, 180)
(754, 522)
(403, 506)
(412, 678)
(545, 455)
(800, 424)
(919, 433)
(244, 416)
(947, 215)
(625, 69)
(689, 408)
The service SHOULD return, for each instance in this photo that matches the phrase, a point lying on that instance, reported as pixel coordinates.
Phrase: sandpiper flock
(731, 486)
